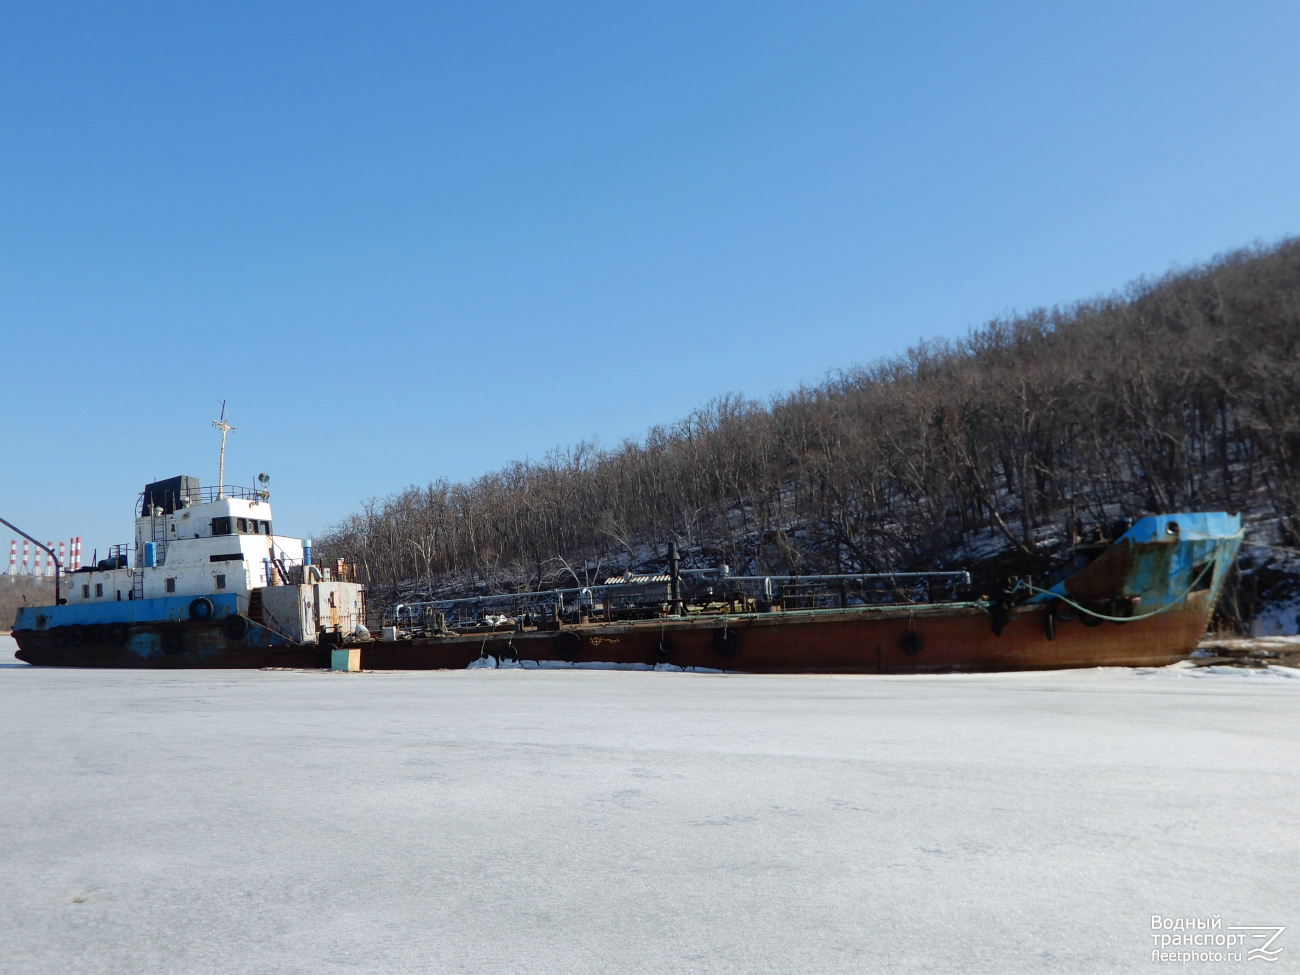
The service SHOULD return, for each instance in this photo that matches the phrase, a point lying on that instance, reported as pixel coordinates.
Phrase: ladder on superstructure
(158, 535)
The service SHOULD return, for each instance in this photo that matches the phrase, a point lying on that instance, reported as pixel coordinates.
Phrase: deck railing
(708, 588)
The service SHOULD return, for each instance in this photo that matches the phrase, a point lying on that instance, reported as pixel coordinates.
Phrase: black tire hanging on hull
(234, 627)
(568, 645)
(726, 642)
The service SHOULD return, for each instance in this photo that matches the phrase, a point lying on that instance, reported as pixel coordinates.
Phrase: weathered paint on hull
(944, 640)
(156, 646)
(1167, 572)
(892, 640)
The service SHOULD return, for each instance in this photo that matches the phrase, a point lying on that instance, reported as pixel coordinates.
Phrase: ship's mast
(225, 428)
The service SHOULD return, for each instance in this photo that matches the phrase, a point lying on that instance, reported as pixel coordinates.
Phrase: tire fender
(234, 627)
(726, 642)
(568, 645)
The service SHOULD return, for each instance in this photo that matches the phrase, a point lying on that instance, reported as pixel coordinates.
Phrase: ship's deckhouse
(193, 541)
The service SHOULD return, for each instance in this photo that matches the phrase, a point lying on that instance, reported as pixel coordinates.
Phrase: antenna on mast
(225, 428)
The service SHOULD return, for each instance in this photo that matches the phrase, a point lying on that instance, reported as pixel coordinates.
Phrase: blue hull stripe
(168, 609)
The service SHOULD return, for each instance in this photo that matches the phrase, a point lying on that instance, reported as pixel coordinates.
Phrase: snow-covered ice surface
(575, 821)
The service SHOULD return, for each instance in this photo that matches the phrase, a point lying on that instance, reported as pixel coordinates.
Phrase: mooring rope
(1121, 619)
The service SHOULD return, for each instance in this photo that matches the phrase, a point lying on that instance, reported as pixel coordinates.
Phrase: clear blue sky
(407, 241)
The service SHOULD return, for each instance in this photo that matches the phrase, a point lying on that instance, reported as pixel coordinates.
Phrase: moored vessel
(1143, 598)
(206, 582)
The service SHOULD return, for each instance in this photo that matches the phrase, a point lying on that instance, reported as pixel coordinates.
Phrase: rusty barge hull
(940, 638)
(1143, 600)
(953, 638)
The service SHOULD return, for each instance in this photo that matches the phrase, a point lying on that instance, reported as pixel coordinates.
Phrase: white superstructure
(193, 542)
(196, 548)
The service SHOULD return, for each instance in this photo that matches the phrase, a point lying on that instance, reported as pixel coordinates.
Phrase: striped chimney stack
(42, 564)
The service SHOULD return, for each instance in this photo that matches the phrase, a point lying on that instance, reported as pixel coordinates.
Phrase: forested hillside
(17, 591)
(1179, 394)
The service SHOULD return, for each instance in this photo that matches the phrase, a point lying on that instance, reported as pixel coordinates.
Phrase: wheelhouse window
(242, 524)
(85, 592)
(99, 589)
(221, 526)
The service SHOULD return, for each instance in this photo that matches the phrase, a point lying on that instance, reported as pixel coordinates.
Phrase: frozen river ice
(594, 821)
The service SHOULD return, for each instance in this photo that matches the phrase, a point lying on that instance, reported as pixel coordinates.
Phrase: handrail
(207, 495)
(767, 581)
(963, 575)
(588, 592)
(265, 614)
